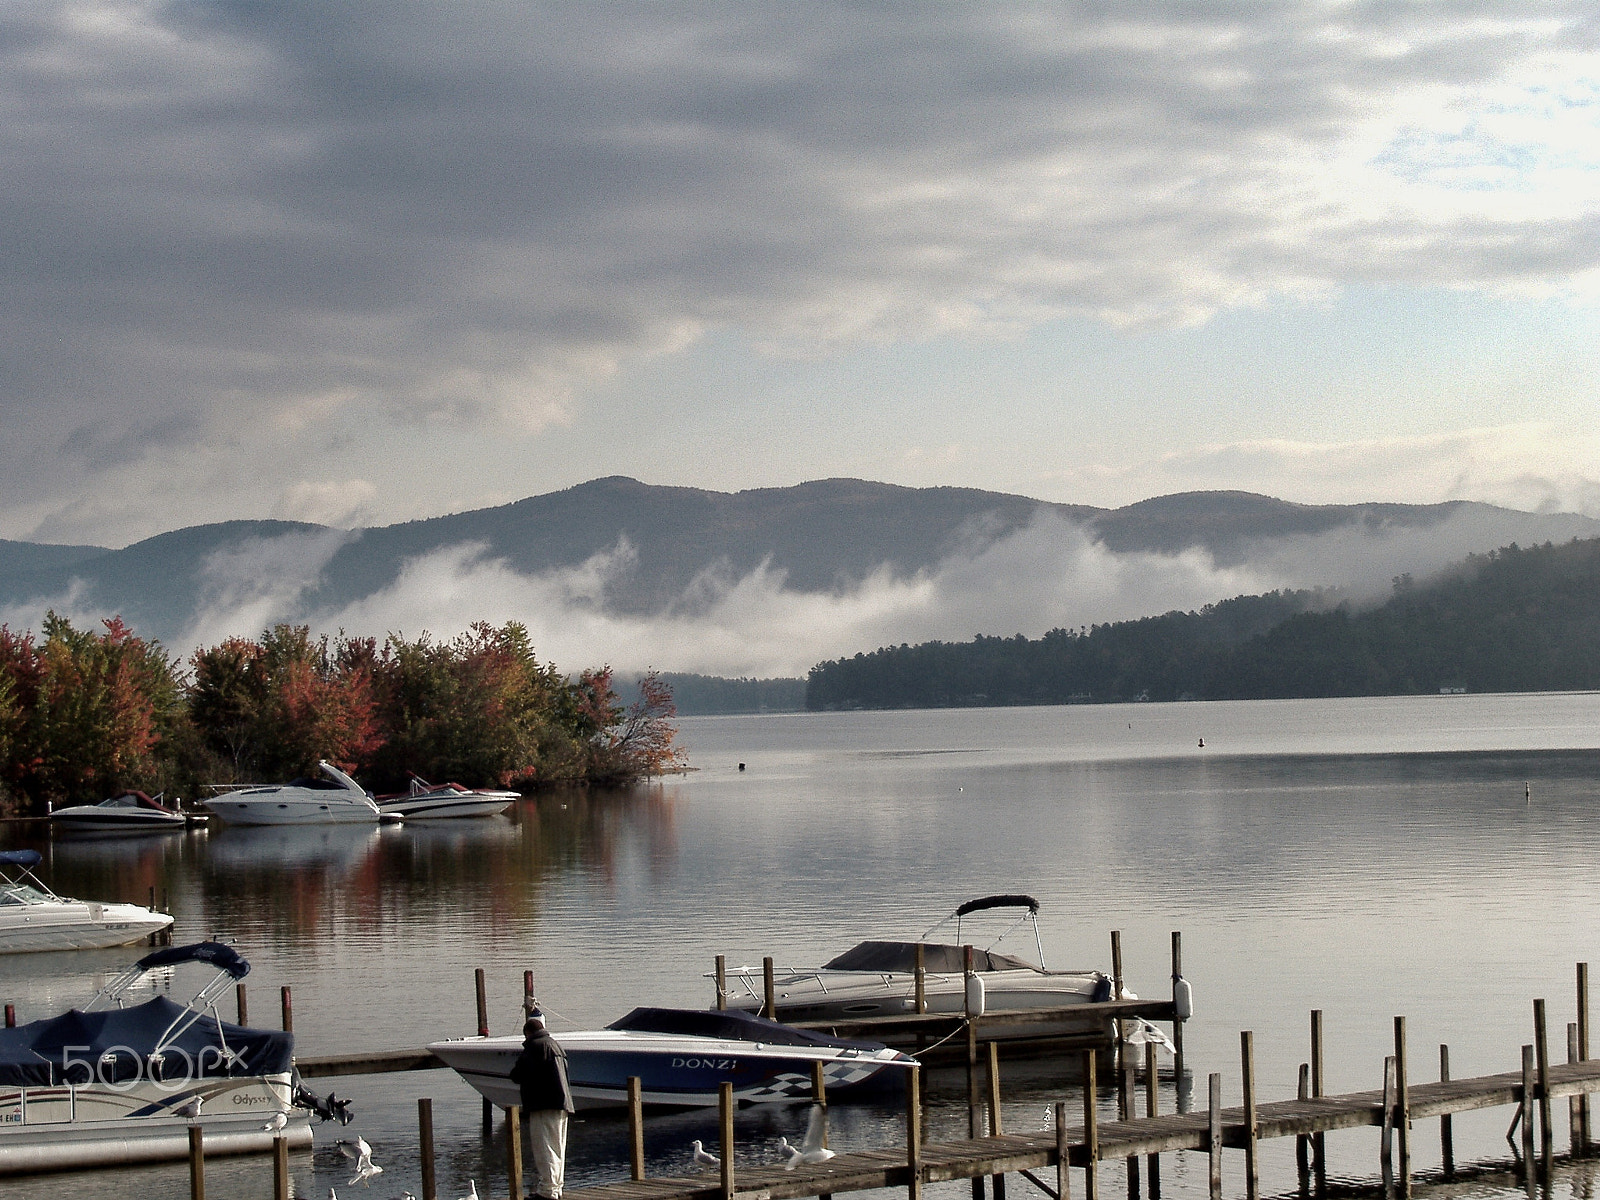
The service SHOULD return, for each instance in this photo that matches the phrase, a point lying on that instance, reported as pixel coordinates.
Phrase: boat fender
(1182, 998)
(1102, 990)
(975, 995)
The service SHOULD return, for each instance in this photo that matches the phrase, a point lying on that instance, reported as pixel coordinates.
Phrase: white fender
(1182, 998)
(975, 995)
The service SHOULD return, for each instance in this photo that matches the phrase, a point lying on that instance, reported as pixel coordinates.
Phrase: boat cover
(937, 958)
(19, 858)
(63, 1049)
(729, 1023)
(216, 954)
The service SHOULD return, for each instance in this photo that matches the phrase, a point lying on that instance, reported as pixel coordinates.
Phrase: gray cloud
(235, 223)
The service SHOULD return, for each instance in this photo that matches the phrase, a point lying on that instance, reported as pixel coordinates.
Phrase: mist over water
(1370, 858)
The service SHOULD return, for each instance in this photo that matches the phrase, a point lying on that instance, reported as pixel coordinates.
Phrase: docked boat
(32, 917)
(334, 800)
(117, 1082)
(681, 1057)
(431, 802)
(131, 811)
(878, 978)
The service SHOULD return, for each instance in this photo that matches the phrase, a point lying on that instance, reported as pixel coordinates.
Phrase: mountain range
(638, 558)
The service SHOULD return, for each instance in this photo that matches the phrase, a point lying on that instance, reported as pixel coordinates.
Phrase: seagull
(365, 1171)
(472, 1191)
(1145, 1033)
(811, 1150)
(332, 1195)
(189, 1110)
(276, 1122)
(360, 1153)
(702, 1158)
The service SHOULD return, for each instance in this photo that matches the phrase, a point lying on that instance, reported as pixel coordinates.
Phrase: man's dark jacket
(541, 1072)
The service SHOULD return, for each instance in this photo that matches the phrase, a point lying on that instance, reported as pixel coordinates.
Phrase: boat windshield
(21, 893)
(937, 957)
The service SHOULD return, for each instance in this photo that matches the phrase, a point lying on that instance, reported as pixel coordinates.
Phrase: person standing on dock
(541, 1074)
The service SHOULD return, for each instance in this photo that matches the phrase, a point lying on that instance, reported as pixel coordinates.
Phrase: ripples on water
(1369, 858)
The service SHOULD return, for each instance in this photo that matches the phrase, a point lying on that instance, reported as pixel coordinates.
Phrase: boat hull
(847, 995)
(76, 925)
(448, 806)
(677, 1072)
(69, 1128)
(90, 816)
(249, 808)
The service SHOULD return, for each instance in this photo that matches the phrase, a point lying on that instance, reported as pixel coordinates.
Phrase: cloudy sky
(360, 263)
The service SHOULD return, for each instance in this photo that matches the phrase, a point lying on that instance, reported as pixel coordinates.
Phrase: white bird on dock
(811, 1151)
(472, 1191)
(189, 1110)
(702, 1157)
(276, 1122)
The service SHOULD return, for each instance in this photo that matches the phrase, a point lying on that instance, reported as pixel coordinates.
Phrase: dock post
(280, 1168)
(1116, 994)
(769, 990)
(243, 1004)
(527, 986)
(514, 1151)
(11, 1016)
(1319, 1141)
(1527, 1108)
(197, 1164)
(914, 1133)
(1574, 1129)
(1214, 1136)
(1386, 1139)
(922, 979)
(1152, 1165)
(1583, 1051)
(482, 996)
(430, 1185)
(725, 1134)
(1247, 1064)
(972, 1059)
(1302, 1142)
(635, 1129)
(997, 1182)
(1402, 1097)
(1126, 1112)
(819, 1097)
(1177, 1023)
(1447, 1135)
(1091, 1129)
(1541, 1042)
(1063, 1154)
(722, 982)
(288, 1009)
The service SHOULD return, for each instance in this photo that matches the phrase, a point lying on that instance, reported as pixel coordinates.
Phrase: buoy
(1182, 998)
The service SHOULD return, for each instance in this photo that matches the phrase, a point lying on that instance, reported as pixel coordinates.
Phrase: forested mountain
(1509, 620)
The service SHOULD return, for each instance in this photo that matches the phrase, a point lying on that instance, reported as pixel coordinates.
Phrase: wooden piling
(1063, 1154)
(722, 981)
(1402, 1099)
(973, 1123)
(1247, 1064)
(1116, 994)
(280, 1168)
(1583, 1052)
(996, 1127)
(1574, 1129)
(287, 998)
(514, 1151)
(1319, 1141)
(1541, 1042)
(242, 1004)
(430, 1186)
(635, 1129)
(819, 1097)
(1302, 1142)
(1528, 1093)
(1447, 1136)
(914, 1134)
(1386, 1138)
(482, 995)
(1214, 1136)
(1125, 1112)
(1177, 1024)
(197, 1164)
(921, 979)
(1151, 1097)
(527, 986)
(725, 1134)
(11, 1016)
(1091, 1129)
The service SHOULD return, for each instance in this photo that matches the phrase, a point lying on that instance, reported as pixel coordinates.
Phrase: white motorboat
(32, 917)
(335, 800)
(681, 1057)
(878, 978)
(118, 1082)
(131, 811)
(430, 802)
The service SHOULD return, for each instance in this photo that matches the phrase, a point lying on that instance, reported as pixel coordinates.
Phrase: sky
(361, 263)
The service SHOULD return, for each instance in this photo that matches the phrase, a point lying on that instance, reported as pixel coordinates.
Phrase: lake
(1433, 857)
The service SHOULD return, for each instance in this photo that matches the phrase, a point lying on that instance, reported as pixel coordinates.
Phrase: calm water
(1369, 858)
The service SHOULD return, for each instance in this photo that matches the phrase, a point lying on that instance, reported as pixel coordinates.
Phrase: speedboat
(32, 917)
(428, 801)
(681, 1057)
(334, 800)
(132, 811)
(878, 978)
(118, 1082)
